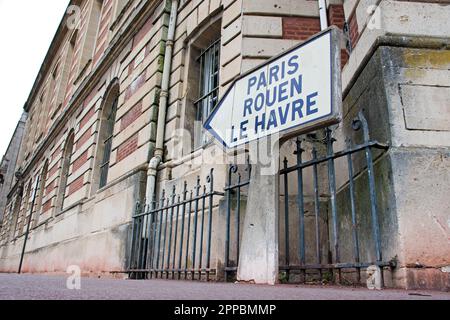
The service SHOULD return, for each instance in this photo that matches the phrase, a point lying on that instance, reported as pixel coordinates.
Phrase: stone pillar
(259, 249)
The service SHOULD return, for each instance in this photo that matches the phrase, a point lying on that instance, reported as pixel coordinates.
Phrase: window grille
(209, 61)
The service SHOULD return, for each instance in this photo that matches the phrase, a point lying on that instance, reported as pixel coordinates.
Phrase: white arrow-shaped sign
(296, 92)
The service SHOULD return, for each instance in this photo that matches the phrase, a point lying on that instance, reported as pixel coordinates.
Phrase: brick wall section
(142, 33)
(53, 170)
(77, 52)
(91, 96)
(300, 28)
(84, 138)
(132, 115)
(87, 117)
(99, 53)
(50, 188)
(354, 30)
(336, 17)
(131, 66)
(148, 50)
(135, 86)
(127, 148)
(57, 153)
(47, 206)
(76, 185)
(77, 164)
(103, 30)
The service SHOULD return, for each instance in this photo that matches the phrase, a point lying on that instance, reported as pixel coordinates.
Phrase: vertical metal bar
(149, 236)
(372, 189)
(373, 207)
(165, 237)
(194, 244)
(133, 238)
(161, 212)
(154, 227)
(130, 265)
(137, 238)
(188, 236)
(176, 237)
(144, 236)
(332, 189)
(200, 104)
(286, 216)
(317, 210)
(142, 247)
(27, 233)
(180, 258)
(353, 208)
(238, 220)
(139, 241)
(145, 233)
(301, 206)
(169, 247)
(232, 169)
(202, 228)
(150, 233)
(210, 179)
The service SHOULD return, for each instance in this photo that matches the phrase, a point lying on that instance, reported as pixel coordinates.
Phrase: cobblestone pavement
(37, 287)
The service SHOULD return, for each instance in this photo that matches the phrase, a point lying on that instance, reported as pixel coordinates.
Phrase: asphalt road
(38, 287)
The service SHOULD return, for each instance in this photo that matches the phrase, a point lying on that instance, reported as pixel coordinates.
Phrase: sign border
(336, 97)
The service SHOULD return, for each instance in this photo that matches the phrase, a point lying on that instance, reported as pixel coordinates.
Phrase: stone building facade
(115, 118)
(8, 164)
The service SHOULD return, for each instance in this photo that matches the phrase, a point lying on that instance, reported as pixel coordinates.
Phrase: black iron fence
(318, 241)
(329, 212)
(172, 238)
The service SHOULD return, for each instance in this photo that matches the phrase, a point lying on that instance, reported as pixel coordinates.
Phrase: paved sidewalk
(35, 287)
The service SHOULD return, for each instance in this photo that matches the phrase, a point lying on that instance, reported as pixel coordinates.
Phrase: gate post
(258, 261)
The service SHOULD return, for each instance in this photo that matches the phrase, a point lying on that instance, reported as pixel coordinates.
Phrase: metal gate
(172, 238)
(318, 241)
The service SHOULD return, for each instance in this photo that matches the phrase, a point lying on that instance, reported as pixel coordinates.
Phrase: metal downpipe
(163, 101)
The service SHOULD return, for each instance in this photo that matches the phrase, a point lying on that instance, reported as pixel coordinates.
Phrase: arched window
(26, 208)
(67, 157)
(203, 65)
(106, 135)
(40, 198)
(16, 212)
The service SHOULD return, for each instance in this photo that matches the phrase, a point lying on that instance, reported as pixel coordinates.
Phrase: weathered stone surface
(425, 106)
(262, 26)
(411, 177)
(281, 7)
(259, 250)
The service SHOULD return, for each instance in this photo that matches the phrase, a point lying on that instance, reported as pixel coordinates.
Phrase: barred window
(67, 158)
(209, 61)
